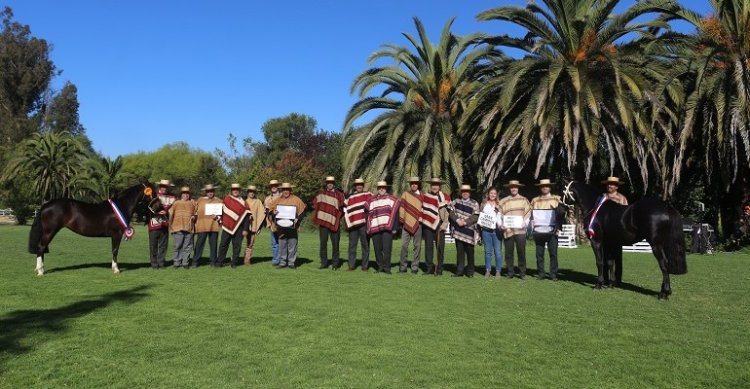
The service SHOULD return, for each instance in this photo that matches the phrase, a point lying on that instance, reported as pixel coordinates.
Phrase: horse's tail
(35, 235)
(677, 263)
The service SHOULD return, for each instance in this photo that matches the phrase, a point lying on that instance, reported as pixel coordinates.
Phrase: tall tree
(25, 74)
(576, 94)
(425, 91)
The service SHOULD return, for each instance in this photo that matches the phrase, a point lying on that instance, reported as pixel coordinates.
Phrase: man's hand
(461, 222)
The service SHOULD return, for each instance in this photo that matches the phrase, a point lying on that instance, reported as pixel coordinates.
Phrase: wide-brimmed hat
(235, 186)
(185, 189)
(382, 184)
(164, 183)
(209, 188)
(252, 188)
(286, 185)
(436, 181)
(514, 184)
(330, 179)
(612, 180)
(545, 182)
(466, 188)
(413, 179)
(359, 181)
(273, 182)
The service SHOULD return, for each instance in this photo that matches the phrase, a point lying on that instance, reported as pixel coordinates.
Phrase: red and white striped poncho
(355, 213)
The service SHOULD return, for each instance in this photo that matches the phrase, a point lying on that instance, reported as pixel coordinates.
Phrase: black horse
(94, 220)
(619, 225)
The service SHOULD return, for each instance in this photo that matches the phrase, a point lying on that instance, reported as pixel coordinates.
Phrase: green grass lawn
(82, 326)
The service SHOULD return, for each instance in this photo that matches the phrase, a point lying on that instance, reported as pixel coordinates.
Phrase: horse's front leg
(39, 264)
(116, 239)
(599, 254)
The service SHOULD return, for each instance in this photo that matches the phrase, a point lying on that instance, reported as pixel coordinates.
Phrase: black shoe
(554, 278)
(427, 273)
(522, 276)
(323, 266)
(458, 275)
(470, 275)
(335, 268)
(540, 277)
(511, 276)
(414, 271)
(402, 270)
(365, 269)
(387, 272)
(292, 267)
(439, 273)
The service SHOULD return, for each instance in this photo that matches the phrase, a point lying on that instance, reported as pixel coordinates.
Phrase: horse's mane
(129, 192)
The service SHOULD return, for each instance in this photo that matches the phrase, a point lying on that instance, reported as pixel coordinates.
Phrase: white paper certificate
(488, 220)
(214, 209)
(543, 217)
(513, 221)
(286, 212)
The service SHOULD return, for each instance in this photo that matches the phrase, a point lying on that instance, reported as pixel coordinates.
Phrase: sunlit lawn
(82, 326)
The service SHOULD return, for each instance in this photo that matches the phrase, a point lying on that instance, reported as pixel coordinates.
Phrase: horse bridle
(567, 193)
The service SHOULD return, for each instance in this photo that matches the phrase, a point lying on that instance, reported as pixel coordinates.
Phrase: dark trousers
(236, 240)
(519, 242)
(551, 241)
(157, 243)
(335, 237)
(359, 235)
(213, 238)
(464, 251)
(433, 238)
(383, 243)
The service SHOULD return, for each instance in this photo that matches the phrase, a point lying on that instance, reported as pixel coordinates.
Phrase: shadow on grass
(570, 275)
(20, 330)
(105, 265)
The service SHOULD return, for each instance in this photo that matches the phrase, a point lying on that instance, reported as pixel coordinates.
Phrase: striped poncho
(516, 206)
(468, 211)
(431, 205)
(328, 207)
(355, 213)
(410, 213)
(233, 213)
(381, 214)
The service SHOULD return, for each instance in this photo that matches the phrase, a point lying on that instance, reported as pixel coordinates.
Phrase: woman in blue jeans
(490, 219)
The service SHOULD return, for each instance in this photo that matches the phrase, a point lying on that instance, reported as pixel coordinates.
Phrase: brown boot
(248, 256)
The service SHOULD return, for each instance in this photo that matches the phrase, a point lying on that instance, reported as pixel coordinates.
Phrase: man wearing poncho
(382, 224)
(410, 217)
(287, 235)
(464, 217)
(435, 214)
(355, 216)
(206, 226)
(515, 206)
(257, 217)
(181, 226)
(328, 207)
(234, 219)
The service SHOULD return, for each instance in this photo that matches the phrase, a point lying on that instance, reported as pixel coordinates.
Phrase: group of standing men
(420, 217)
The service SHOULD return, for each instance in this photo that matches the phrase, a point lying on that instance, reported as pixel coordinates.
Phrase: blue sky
(155, 72)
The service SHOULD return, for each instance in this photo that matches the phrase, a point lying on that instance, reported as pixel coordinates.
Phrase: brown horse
(94, 220)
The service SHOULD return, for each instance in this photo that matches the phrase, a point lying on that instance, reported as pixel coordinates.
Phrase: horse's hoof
(598, 286)
(40, 272)
(116, 270)
(663, 296)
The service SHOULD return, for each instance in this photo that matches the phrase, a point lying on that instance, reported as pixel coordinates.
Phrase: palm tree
(577, 94)
(713, 136)
(425, 92)
(52, 161)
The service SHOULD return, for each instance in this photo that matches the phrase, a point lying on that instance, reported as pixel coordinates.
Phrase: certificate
(286, 212)
(513, 221)
(214, 209)
(543, 217)
(488, 220)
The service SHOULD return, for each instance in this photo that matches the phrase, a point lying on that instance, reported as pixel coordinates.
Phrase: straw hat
(273, 182)
(359, 181)
(414, 179)
(252, 188)
(185, 189)
(382, 184)
(209, 188)
(466, 188)
(514, 184)
(235, 186)
(436, 181)
(545, 182)
(164, 183)
(612, 180)
(286, 185)
(330, 179)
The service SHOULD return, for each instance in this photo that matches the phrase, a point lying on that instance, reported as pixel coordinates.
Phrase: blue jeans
(492, 245)
(274, 247)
